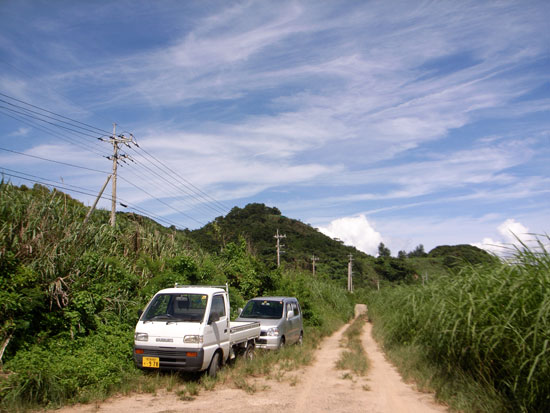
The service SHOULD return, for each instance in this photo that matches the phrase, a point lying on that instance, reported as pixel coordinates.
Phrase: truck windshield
(176, 307)
(263, 309)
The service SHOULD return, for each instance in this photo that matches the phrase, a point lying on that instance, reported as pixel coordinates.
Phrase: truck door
(217, 331)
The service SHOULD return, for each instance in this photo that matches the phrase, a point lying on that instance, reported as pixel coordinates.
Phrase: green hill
(258, 224)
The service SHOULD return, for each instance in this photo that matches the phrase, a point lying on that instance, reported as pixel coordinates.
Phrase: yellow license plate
(151, 362)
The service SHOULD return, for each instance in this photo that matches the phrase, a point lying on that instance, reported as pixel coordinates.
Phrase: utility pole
(313, 259)
(279, 245)
(116, 141)
(350, 280)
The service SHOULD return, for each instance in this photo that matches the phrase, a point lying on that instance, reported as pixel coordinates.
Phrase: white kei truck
(187, 328)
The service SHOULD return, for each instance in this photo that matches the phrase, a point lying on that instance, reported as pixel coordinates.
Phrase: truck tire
(282, 342)
(249, 352)
(214, 365)
(300, 339)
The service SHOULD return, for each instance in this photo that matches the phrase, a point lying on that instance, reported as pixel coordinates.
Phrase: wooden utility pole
(313, 259)
(116, 141)
(279, 246)
(350, 280)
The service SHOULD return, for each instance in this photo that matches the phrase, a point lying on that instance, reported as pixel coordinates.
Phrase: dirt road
(316, 388)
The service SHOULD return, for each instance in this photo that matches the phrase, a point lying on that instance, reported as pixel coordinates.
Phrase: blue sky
(403, 122)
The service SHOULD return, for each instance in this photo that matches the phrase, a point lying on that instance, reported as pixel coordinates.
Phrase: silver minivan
(280, 320)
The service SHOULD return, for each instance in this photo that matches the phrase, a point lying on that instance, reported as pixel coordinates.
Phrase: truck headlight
(195, 339)
(141, 337)
(274, 331)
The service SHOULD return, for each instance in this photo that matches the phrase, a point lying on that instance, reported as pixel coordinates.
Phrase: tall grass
(491, 322)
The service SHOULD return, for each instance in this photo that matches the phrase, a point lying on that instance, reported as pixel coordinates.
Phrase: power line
(94, 170)
(220, 207)
(46, 121)
(80, 190)
(200, 203)
(162, 202)
(83, 145)
(48, 117)
(82, 130)
(53, 161)
(56, 114)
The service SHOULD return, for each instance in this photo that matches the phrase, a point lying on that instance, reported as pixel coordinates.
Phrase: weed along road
(320, 387)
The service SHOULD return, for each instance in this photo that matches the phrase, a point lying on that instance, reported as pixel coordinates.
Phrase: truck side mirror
(213, 318)
(140, 312)
(290, 314)
(239, 311)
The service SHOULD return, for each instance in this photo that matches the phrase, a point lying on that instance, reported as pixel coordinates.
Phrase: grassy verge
(353, 358)
(480, 339)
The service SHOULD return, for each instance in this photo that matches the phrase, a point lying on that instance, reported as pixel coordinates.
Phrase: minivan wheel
(282, 342)
(214, 365)
(300, 339)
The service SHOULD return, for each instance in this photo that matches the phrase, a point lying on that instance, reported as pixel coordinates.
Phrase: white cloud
(356, 231)
(512, 235)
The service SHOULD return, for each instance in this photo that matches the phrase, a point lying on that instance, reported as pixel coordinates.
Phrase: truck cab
(182, 328)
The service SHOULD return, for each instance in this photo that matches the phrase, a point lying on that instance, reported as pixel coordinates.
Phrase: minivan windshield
(176, 307)
(263, 309)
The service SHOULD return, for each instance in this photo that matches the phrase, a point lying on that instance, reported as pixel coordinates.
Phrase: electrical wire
(195, 194)
(84, 145)
(103, 131)
(199, 198)
(189, 184)
(95, 170)
(48, 117)
(163, 180)
(84, 191)
(53, 161)
(24, 113)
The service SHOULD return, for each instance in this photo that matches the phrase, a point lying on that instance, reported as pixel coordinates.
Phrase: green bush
(68, 370)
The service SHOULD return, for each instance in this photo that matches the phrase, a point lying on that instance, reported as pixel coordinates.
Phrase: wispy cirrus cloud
(365, 107)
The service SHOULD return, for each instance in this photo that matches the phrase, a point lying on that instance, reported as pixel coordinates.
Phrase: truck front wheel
(214, 365)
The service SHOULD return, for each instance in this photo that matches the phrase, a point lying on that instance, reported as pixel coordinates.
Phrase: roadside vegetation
(480, 338)
(69, 295)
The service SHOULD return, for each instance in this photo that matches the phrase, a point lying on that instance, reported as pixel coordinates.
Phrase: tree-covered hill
(258, 225)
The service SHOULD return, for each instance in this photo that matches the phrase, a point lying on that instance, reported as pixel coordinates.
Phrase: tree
(383, 251)
(418, 252)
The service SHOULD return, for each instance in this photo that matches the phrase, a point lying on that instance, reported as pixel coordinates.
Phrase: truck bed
(241, 331)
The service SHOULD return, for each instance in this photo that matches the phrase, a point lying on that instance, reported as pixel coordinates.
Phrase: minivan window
(176, 307)
(269, 309)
